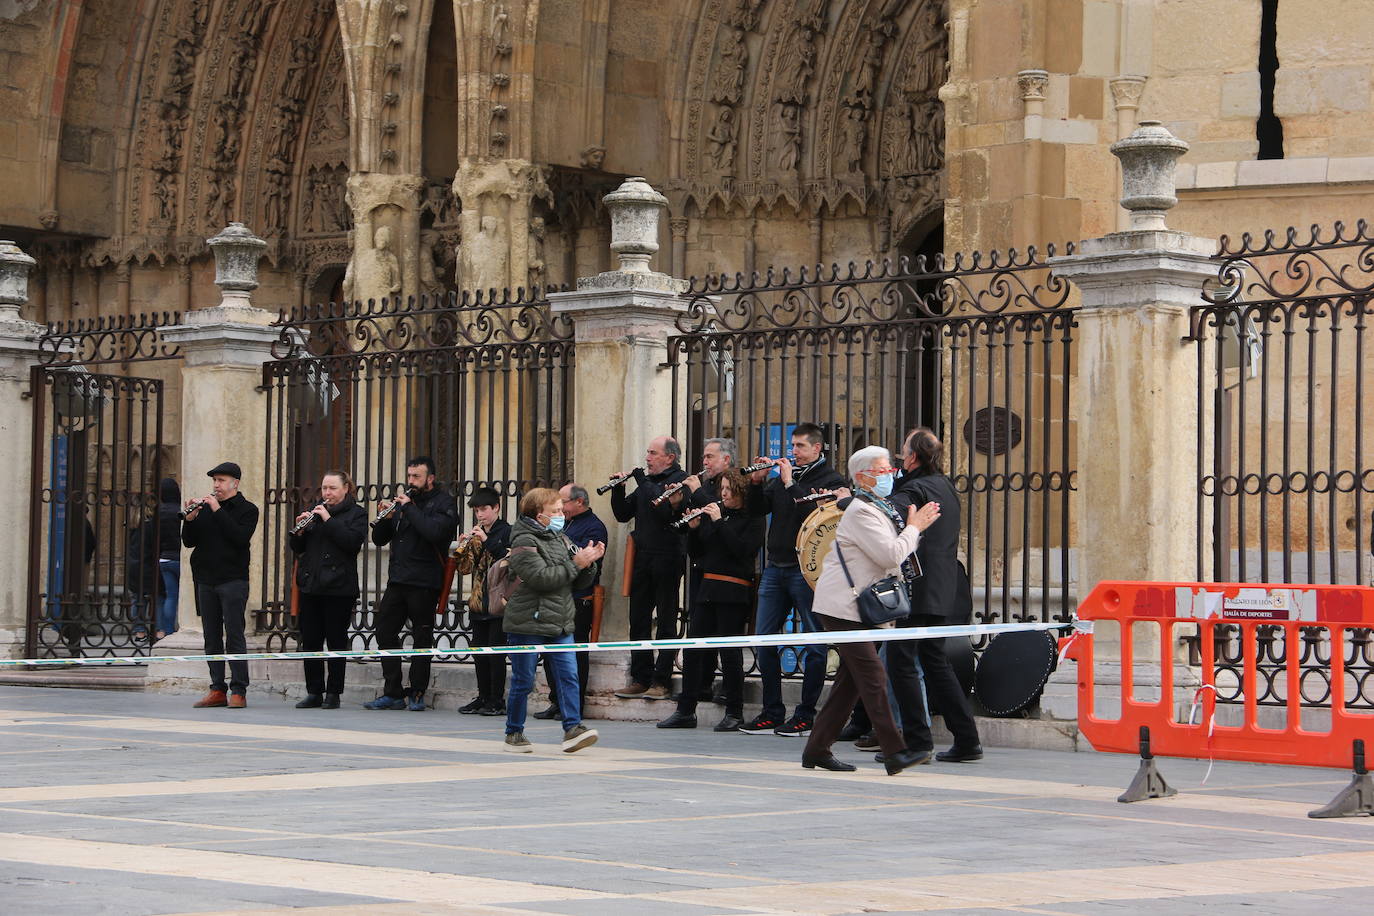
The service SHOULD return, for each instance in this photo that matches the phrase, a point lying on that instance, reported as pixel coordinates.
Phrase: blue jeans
(782, 589)
(171, 591)
(522, 668)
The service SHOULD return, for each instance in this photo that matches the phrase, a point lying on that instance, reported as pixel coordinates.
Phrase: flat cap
(227, 469)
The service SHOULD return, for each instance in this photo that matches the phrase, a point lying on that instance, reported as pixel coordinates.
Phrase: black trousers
(654, 584)
(582, 632)
(942, 683)
(222, 608)
(904, 671)
(715, 618)
(861, 676)
(324, 620)
(491, 669)
(402, 604)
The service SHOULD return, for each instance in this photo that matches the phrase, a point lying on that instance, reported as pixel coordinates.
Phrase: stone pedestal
(624, 399)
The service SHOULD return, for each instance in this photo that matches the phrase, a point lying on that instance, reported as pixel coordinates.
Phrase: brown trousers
(861, 676)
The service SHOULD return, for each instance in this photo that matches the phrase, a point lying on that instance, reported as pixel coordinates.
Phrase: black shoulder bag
(882, 602)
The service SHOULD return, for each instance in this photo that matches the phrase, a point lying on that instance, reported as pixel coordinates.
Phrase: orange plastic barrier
(1169, 607)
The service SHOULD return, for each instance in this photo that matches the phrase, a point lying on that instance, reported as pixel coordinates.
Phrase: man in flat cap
(219, 530)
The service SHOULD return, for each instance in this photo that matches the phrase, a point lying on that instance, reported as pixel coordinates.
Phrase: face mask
(556, 523)
(882, 486)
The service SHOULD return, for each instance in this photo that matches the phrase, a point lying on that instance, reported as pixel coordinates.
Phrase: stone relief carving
(593, 157)
(536, 266)
(788, 136)
(746, 14)
(438, 202)
(732, 61)
(854, 131)
(722, 140)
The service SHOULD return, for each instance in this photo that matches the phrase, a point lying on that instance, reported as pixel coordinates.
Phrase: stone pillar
(1032, 84)
(496, 195)
(386, 237)
(1135, 391)
(1126, 92)
(223, 417)
(18, 353)
(624, 398)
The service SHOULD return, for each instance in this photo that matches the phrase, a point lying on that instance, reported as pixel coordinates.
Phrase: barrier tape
(700, 642)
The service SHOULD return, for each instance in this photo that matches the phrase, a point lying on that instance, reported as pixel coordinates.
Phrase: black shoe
(956, 755)
(311, 701)
(827, 762)
(903, 759)
(882, 758)
(679, 719)
(331, 701)
(473, 708)
(760, 725)
(720, 699)
(795, 727)
(550, 712)
(493, 708)
(868, 742)
(851, 732)
(728, 724)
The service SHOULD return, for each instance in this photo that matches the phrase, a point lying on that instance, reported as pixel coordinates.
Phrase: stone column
(386, 238)
(1126, 92)
(18, 354)
(1135, 391)
(223, 418)
(624, 398)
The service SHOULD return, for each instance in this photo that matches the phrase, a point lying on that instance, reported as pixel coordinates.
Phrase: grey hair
(727, 448)
(577, 491)
(863, 459)
(672, 448)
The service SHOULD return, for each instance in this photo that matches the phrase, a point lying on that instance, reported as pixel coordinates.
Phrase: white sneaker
(578, 737)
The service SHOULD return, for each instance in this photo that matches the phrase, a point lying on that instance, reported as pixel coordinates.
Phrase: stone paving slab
(135, 803)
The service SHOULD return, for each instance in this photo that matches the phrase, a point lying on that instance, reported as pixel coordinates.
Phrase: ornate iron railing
(979, 348)
(1284, 424)
(108, 339)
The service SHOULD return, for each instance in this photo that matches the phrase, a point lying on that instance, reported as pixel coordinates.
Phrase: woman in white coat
(875, 540)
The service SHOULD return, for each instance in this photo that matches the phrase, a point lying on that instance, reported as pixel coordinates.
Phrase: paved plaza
(134, 803)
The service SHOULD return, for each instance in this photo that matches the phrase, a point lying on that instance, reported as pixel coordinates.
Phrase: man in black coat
(419, 533)
(656, 575)
(219, 530)
(782, 587)
(938, 598)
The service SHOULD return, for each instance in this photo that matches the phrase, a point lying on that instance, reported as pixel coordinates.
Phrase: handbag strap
(845, 566)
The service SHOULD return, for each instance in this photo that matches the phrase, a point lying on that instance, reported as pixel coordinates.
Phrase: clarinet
(308, 521)
(695, 513)
(410, 491)
(187, 510)
(761, 466)
(815, 497)
(614, 482)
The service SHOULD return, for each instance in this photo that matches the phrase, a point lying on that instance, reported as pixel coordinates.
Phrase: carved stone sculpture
(722, 140)
(732, 60)
(788, 137)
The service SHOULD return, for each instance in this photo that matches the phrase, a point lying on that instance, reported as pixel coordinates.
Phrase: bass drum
(815, 538)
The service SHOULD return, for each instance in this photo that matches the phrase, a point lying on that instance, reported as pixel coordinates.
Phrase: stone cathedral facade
(427, 146)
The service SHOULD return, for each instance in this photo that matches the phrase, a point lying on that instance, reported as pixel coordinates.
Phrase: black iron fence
(97, 455)
(1285, 431)
(481, 385)
(978, 349)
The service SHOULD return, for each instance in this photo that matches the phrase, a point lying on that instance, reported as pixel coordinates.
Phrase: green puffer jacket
(542, 605)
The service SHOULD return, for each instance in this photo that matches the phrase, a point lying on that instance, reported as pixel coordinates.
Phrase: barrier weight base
(1148, 781)
(1356, 798)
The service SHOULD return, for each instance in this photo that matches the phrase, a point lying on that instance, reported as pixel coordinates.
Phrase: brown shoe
(213, 698)
(633, 691)
(657, 692)
(237, 701)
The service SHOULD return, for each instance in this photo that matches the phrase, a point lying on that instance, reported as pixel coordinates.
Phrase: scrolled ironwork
(108, 339)
(1292, 265)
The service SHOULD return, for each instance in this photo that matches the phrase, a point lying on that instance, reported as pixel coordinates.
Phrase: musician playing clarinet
(419, 532)
(656, 574)
(724, 543)
(219, 530)
(326, 541)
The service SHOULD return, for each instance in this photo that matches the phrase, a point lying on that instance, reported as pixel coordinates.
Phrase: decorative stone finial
(237, 251)
(635, 208)
(1148, 157)
(14, 280)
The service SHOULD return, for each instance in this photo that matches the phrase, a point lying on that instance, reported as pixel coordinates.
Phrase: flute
(763, 465)
(815, 497)
(695, 513)
(672, 488)
(614, 482)
(410, 491)
(307, 521)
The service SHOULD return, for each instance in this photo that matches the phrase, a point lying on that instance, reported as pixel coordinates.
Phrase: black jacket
(327, 551)
(942, 590)
(220, 541)
(729, 547)
(153, 539)
(771, 497)
(419, 535)
(652, 534)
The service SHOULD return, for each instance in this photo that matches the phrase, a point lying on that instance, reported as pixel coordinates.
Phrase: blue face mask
(882, 486)
(556, 522)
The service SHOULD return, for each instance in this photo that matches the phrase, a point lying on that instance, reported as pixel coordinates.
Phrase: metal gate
(482, 387)
(980, 350)
(97, 458)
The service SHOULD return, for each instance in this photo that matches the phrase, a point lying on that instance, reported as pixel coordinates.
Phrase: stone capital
(1140, 268)
(1032, 84)
(369, 190)
(18, 348)
(1126, 91)
(232, 336)
(626, 313)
